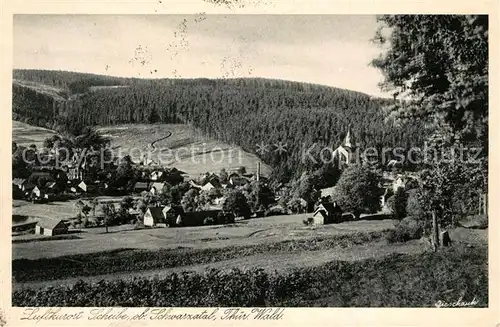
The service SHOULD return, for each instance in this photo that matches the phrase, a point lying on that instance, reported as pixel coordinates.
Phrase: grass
(25, 134)
(131, 260)
(185, 149)
(242, 233)
(398, 280)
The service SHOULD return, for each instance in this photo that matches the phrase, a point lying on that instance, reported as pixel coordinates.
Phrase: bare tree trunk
(485, 203)
(480, 199)
(435, 230)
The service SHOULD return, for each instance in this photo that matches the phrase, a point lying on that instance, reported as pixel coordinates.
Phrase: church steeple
(347, 141)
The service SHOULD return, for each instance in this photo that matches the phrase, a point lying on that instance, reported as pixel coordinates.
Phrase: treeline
(244, 112)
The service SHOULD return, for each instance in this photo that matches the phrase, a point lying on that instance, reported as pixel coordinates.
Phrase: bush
(309, 221)
(413, 206)
(275, 211)
(397, 281)
(475, 222)
(93, 222)
(398, 203)
(407, 229)
(85, 222)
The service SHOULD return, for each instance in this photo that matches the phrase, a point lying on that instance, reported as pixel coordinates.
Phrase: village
(146, 199)
(239, 160)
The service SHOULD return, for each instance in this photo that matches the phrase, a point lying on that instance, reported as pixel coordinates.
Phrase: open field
(184, 149)
(51, 91)
(25, 134)
(277, 243)
(242, 233)
(56, 209)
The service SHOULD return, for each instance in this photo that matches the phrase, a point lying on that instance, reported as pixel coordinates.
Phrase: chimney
(258, 171)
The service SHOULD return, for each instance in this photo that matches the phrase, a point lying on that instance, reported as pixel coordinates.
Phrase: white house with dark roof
(51, 227)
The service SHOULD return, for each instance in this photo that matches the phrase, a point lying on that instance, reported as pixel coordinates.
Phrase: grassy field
(242, 233)
(56, 209)
(185, 149)
(25, 134)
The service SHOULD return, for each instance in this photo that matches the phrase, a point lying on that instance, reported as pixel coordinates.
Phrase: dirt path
(152, 145)
(279, 262)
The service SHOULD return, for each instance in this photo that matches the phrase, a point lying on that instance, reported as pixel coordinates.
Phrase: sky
(332, 50)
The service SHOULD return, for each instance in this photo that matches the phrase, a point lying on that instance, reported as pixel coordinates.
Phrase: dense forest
(244, 112)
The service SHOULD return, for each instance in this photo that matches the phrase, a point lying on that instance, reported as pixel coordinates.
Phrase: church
(343, 154)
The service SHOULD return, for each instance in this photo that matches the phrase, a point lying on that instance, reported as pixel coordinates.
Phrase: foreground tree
(357, 191)
(437, 66)
(236, 203)
(398, 202)
(439, 63)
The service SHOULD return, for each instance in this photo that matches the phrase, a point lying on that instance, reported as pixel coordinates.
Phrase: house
(219, 201)
(194, 185)
(213, 180)
(197, 218)
(50, 185)
(141, 186)
(134, 212)
(393, 163)
(83, 186)
(74, 173)
(156, 188)
(49, 196)
(156, 175)
(208, 186)
(51, 227)
(154, 217)
(327, 213)
(398, 182)
(172, 214)
(36, 192)
(237, 181)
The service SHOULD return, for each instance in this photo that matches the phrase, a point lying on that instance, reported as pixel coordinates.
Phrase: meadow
(25, 134)
(185, 148)
(179, 146)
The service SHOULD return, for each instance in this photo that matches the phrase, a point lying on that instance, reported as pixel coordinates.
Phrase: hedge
(398, 280)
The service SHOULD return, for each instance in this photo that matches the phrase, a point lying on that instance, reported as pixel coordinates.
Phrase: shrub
(413, 206)
(93, 222)
(407, 229)
(398, 203)
(275, 211)
(397, 281)
(229, 218)
(85, 222)
(309, 221)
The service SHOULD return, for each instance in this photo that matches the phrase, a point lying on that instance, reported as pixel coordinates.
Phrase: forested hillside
(244, 112)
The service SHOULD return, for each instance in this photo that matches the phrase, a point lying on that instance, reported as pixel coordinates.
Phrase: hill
(244, 112)
(184, 148)
(26, 135)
